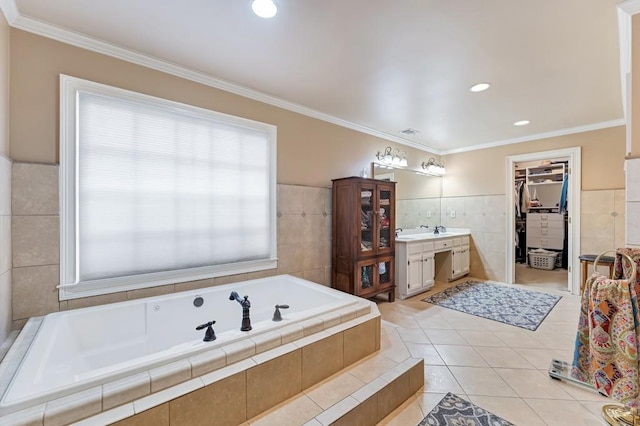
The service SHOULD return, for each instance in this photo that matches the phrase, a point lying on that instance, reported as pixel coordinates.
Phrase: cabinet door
(368, 218)
(456, 262)
(385, 218)
(464, 260)
(414, 269)
(366, 277)
(428, 270)
(384, 271)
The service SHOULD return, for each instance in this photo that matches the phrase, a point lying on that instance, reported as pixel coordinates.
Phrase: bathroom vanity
(423, 257)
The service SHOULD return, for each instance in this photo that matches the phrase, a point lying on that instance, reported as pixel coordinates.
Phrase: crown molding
(544, 135)
(630, 7)
(83, 41)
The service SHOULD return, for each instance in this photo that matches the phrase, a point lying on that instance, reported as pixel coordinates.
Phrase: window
(155, 192)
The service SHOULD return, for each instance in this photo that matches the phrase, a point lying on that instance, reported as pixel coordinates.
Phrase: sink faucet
(398, 230)
(424, 226)
(438, 229)
(246, 321)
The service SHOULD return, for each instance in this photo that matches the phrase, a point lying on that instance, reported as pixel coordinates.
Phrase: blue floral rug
(455, 411)
(509, 305)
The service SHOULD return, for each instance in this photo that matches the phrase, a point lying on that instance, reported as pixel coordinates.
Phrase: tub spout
(246, 320)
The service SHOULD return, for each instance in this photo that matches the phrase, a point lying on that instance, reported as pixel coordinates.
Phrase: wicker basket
(543, 260)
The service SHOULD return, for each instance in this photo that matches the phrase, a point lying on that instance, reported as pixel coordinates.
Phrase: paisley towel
(606, 351)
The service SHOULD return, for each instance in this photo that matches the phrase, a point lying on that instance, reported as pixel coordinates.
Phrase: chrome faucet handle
(276, 315)
(209, 335)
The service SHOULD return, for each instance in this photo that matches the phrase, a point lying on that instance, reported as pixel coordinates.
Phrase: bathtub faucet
(246, 321)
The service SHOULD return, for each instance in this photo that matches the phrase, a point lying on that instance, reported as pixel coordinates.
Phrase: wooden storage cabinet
(363, 236)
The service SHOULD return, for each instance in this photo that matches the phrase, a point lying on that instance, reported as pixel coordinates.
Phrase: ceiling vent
(409, 132)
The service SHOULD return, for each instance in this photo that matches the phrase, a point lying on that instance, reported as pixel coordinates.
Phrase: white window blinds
(162, 187)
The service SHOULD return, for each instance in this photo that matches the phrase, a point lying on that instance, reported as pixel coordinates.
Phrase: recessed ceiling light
(480, 87)
(264, 8)
(521, 123)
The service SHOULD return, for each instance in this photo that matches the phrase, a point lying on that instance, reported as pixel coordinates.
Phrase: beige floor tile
(438, 379)
(594, 408)
(563, 413)
(425, 351)
(481, 338)
(372, 367)
(532, 384)
(334, 389)
(434, 323)
(415, 335)
(582, 393)
(503, 357)
(559, 327)
(445, 337)
(551, 340)
(391, 345)
(409, 413)
(428, 401)
(464, 356)
(481, 381)
(519, 338)
(514, 410)
(293, 412)
(541, 358)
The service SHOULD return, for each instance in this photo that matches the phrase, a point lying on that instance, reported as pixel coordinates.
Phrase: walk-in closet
(541, 237)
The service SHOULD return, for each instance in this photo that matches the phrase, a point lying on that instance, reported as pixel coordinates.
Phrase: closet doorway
(538, 224)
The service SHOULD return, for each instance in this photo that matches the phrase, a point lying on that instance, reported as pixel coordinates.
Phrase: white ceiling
(386, 65)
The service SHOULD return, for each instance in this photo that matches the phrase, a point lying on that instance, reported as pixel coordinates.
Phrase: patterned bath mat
(455, 411)
(509, 305)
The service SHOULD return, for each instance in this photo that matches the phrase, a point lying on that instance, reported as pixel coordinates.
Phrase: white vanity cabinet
(414, 268)
(419, 263)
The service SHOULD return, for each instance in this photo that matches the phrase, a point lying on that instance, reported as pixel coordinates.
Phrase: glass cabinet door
(385, 272)
(385, 219)
(366, 277)
(367, 217)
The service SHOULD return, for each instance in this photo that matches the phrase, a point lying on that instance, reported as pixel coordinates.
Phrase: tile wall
(5, 248)
(304, 243)
(633, 202)
(416, 212)
(602, 226)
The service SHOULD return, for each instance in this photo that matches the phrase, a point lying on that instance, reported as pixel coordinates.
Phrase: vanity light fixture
(264, 8)
(521, 123)
(393, 158)
(480, 87)
(434, 167)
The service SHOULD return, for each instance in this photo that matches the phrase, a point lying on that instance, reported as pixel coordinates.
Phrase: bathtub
(80, 349)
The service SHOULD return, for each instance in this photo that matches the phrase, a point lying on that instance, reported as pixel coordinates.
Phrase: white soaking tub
(80, 349)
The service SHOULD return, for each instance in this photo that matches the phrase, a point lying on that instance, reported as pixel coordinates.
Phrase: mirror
(417, 196)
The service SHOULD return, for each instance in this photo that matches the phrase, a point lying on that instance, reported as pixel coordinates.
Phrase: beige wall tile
(5, 305)
(262, 274)
(150, 292)
(156, 416)
(5, 244)
(96, 300)
(272, 382)
(316, 275)
(35, 240)
(315, 228)
(365, 414)
(229, 279)
(291, 228)
(193, 285)
(360, 341)
(220, 404)
(391, 396)
(632, 179)
(34, 291)
(291, 258)
(34, 189)
(5, 186)
(290, 199)
(316, 365)
(314, 200)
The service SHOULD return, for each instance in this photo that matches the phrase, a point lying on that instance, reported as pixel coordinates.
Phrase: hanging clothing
(562, 204)
(526, 199)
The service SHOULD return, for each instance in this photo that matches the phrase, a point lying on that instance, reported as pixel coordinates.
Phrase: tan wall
(483, 172)
(310, 151)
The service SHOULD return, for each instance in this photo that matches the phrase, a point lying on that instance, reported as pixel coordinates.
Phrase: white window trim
(69, 287)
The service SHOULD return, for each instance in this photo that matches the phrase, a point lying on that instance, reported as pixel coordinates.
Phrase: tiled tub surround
(5, 249)
(348, 330)
(304, 243)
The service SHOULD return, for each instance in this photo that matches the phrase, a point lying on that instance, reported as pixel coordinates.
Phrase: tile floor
(496, 366)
